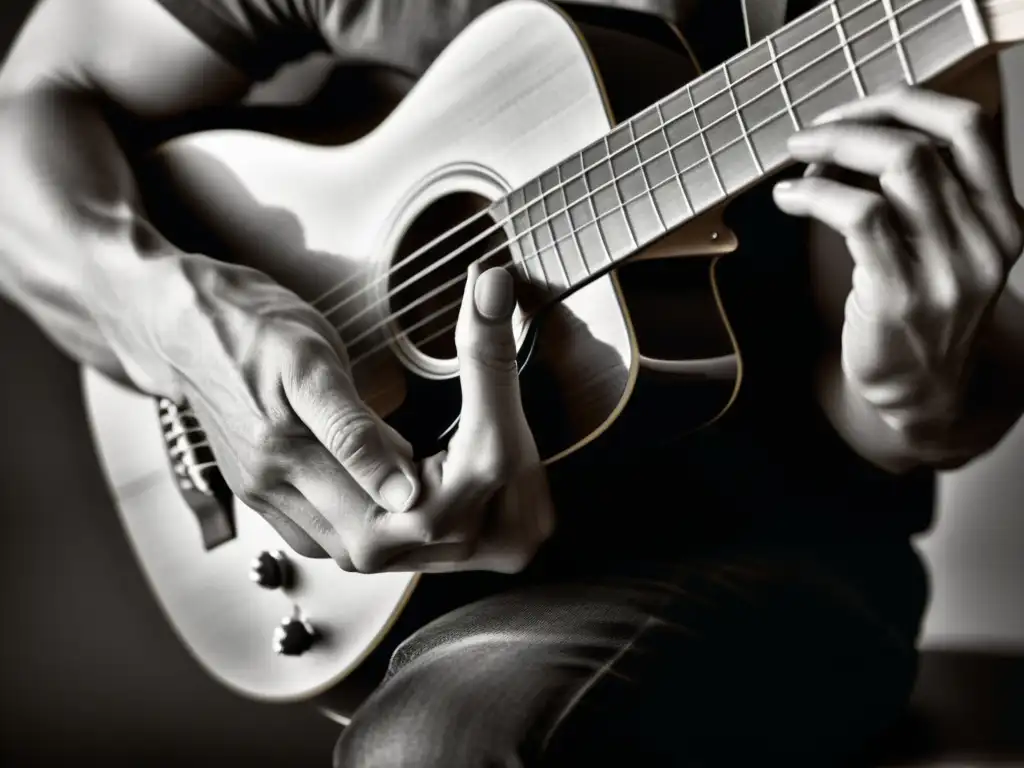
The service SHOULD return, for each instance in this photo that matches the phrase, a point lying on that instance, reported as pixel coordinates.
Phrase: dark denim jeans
(782, 650)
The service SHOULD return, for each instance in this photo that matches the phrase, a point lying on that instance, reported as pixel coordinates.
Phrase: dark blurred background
(91, 672)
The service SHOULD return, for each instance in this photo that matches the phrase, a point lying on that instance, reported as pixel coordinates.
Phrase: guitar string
(632, 145)
(575, 231)
(613, 181)
(834, 24)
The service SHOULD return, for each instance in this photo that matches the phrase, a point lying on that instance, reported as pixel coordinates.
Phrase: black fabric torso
(773, 460)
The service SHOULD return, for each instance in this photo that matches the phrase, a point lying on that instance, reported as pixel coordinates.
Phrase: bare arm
(72, 235)
(266, 374)
(994, 399)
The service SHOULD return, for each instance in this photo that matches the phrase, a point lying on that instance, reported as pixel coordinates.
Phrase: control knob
(294, 637)
(270, 570)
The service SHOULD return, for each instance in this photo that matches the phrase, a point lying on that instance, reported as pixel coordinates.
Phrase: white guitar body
(514, 95)
(499, 106)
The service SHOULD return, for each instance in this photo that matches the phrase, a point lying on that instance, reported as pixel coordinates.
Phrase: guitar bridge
(199, 479)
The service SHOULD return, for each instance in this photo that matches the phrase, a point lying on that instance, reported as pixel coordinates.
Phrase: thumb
(486, 347)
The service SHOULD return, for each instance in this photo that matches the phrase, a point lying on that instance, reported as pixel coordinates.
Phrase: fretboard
(723, 132)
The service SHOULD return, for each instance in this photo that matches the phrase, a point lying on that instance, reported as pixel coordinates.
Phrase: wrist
(905, 396)
(139, 304)
(931, 432)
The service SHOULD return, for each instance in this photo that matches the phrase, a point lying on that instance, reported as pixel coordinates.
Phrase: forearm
(74, 246)
(991, 402)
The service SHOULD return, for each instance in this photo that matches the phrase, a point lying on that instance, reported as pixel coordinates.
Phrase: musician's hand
(932, 240)
(485, 503)
(269, 380)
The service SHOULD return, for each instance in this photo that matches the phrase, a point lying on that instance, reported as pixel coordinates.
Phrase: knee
(392, 731)
(380, 743)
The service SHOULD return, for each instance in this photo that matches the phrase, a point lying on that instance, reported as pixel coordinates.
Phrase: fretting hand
(269, 380)
(932, 245)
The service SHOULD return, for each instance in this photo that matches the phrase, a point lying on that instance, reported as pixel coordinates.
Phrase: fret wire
(593, 210)
(517, 246)
(741, 121)
(869, 57)
(672, 159)
(828, 83)
(522, 261)
(548, 217)
(894, 28)
(782, 79)
(789, 102)
(572, 228)
(975, 22)
(618, 194)
(533, 229)
(647, 181)
(847, 51)
(782, 83)
(704, 141)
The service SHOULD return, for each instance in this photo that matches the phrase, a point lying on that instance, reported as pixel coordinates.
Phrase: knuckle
(947, 297)
(366, 551)
(307, 349)
(901, 305)
(348, 434)
(492, 468)
(252, 494)
(345, 563)
(264, 439)
(972, 120)
(265, 340)
(260, 474)
(268, 456)
(429, 529)
(489, 476)
(309, 367)
(813, 187)
(990, 276)
(365, 556)
(497, 353)
(461, 551)
(915, 158)
(871, 216)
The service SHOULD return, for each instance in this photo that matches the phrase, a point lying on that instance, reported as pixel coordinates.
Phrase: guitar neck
(725, 131)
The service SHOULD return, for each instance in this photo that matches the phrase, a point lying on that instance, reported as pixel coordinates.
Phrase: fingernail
(396, 491)
(802, 140)
(784, 188)
(494, 294)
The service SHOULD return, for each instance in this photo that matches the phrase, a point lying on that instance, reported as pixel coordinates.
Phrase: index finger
(958, 123)
(323, 396)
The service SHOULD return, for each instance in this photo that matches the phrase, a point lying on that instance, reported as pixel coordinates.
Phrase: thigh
(727, 660)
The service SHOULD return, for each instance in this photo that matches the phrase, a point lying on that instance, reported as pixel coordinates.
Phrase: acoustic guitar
(542, 140)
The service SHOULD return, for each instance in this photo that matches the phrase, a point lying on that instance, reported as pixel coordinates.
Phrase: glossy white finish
(345, 203)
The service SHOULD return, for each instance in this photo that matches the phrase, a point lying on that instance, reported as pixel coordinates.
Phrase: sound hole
(427, 279)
